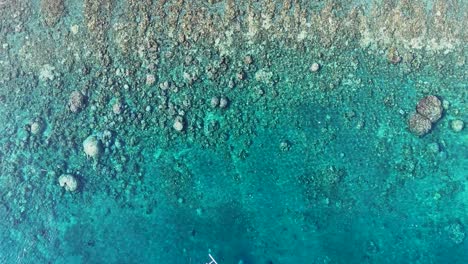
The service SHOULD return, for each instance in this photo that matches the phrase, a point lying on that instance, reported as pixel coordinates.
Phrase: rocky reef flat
(257, 131)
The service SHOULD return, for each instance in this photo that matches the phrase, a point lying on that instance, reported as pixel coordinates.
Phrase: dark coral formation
(52, 11)
(430, 107)
(428, 112)
(419, 124)
(76, 101)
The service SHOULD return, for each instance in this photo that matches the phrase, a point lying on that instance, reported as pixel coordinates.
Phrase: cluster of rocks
(222, 102)
(428, 111)
(93, 148)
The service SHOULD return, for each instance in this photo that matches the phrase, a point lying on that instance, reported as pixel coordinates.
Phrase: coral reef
(92, 147)
(457, 125)
(52, 11)
(419, 124)
(68, 182)
(197, 115)
(430, 107)
(76, 101)
(37, 126)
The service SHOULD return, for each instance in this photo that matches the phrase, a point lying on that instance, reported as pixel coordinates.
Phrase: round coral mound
(92, 146)
(457, 125)
(430, 107)
(37, 127)
(68, 182)
(419, 124)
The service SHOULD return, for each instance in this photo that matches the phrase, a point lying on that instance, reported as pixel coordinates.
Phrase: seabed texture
(257, 131)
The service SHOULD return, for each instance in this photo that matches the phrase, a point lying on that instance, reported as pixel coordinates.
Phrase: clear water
(273, 163)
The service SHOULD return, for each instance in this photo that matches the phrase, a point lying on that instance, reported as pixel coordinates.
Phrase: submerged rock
(223, 102)
(117, 107)
(456, 232)
(92, 147)
(69, 182)
(457, 125)
(419, 124)
(214, 102)
(37, 127)
(430, 107)
(179, 124)
(315, 67)
(428, 111)
(76, 101)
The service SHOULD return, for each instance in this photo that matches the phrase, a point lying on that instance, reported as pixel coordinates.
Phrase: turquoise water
(166, 132)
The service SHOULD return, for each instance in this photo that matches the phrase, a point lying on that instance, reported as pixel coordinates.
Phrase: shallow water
(162, 132)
